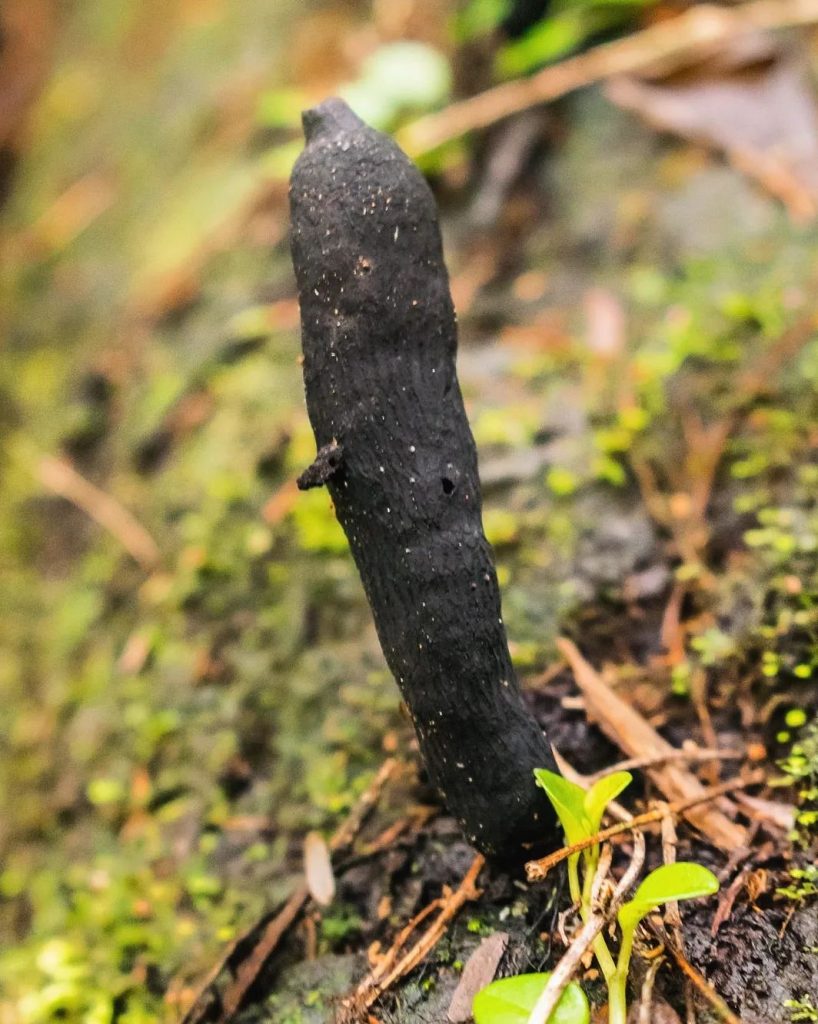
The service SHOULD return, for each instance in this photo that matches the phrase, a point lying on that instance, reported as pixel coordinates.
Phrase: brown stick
(673, 918)
(250, 968)
(598, 918)
(536, 870)
(60, 477)
(692, 977)
(702, 986)
(652, 760)
(571, 959)
(378, 981)
(660, 47)
(646, 996)
(635, 736)
(363, 807)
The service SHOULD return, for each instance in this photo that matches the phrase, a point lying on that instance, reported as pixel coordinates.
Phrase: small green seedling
(666, 884)
(511, 1000)
(580, 811)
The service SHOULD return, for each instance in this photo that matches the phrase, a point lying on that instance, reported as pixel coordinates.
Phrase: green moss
(801, 1009)
(148, 713)
(561, 482)
(341, 925)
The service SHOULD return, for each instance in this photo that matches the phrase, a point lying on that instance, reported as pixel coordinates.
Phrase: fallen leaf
(479, 971)
(755, 105)
(779, 814)
(318, 869)
(660, 1013)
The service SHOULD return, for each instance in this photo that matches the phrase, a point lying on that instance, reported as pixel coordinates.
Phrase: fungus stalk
(398, 458)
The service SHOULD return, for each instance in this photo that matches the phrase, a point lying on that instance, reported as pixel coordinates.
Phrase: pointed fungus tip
(329, 117)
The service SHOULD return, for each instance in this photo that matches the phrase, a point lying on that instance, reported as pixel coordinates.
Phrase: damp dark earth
(331, 512)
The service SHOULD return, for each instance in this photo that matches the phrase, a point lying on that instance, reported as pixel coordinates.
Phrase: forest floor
(193, 685)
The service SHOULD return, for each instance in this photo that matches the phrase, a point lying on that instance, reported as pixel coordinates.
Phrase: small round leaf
(511, 1000)
(681, 881)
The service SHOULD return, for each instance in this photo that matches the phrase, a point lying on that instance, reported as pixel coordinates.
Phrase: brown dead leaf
(727, 899)
(479, 971)
(773, 812)
(660, 1013)
(757, 884)
(754, 104)
(135, 654)
(318, 869)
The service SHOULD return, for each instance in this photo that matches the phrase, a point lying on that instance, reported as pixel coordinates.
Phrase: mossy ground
(169, 736)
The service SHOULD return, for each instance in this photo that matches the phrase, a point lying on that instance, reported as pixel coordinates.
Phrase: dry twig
(653, 760)
(391, 966)
(673, 918)
(597, 919)
(536, 870)
(659, 48)
(629, 730)
(250, 967)
(60, 477)
(582, 942)
(700, 983)
(646, 997)
(727, 899)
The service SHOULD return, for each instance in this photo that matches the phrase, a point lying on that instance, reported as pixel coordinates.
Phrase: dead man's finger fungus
(396, 453)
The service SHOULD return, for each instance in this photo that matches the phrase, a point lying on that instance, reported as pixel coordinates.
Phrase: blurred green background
(189, 685)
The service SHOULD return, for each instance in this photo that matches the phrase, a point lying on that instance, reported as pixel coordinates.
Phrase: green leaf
(511, 1000)
(479, 18)
(556, 36)
(568, 801)
(682, 881)
(600, 795)
(549, 40)
(397, 78)
(410, 74)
